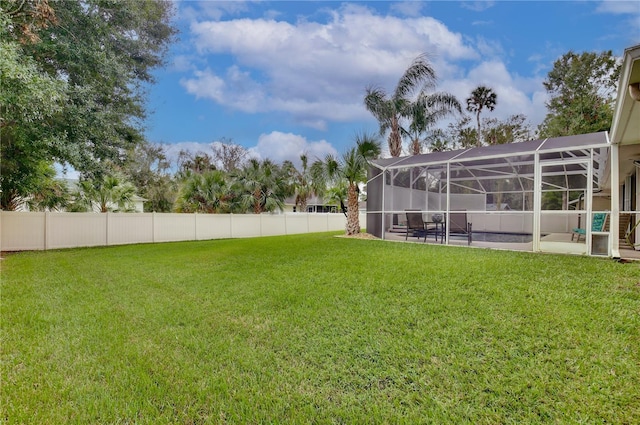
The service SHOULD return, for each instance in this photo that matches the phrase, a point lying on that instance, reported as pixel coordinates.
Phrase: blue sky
(286, 77)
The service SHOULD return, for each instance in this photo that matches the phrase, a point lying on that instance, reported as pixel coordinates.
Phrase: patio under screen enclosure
(529, 196)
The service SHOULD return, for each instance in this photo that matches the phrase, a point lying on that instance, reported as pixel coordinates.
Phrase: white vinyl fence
(23, 231)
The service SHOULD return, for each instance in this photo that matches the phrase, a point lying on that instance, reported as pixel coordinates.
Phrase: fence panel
(174, 227)
(213, 226)
(273, 225)
(245, 226)
(130, 228)
(297, 223)
(70, 230)
(317, 223)
(22, 231)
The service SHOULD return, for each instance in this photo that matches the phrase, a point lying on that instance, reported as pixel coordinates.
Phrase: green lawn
(317, 329)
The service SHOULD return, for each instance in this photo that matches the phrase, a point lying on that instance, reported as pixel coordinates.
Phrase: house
(552, 186)
(315, 204)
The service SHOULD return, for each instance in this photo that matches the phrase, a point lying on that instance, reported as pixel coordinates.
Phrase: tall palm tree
(390, 109)
(482, 97)
(352, 167)
(424, 112)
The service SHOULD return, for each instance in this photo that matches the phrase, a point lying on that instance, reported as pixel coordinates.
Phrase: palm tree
(337, 194)
(301, 182)
(208, 192)
(110, 193)
(352, 167)
(262, 185)
(438, 141)
(482, 97)
(425, 112)
(390, 109)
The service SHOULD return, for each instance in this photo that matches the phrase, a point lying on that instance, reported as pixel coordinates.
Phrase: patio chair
(459, 226)
(597, 225)
(415, 224)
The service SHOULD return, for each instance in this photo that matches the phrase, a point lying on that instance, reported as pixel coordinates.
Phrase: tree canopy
(74, 75)
(582, 89)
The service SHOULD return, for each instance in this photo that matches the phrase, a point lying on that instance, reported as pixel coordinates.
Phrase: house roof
(480, 168)
(625, 128)
(550, 148)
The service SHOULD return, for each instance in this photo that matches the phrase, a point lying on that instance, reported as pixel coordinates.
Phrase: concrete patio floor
(562, 240)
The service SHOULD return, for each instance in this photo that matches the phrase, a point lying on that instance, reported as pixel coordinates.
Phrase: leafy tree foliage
(194, 163)
(337, 194)
(228, 155)
(29, 99)
(437, 141)
(461, 134)
(581, 88)
(512, 130)
(74, 74)
(148, 168)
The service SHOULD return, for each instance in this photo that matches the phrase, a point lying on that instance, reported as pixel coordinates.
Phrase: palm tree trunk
(415, 146)
(353, 221)
(478, 142)
(257, 208)
(395, 141)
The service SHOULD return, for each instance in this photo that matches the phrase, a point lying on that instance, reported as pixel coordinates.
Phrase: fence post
(106, 226)
(46, 230)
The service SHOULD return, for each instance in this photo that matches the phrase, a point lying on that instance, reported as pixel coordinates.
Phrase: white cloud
(276, 146)
(478, 6)
(408, 8)
(205, 84)
(215, 10)
(237, 89)
(316, 71)
(619, 7)
(181, 63)
(172, 150)
(516, 94)
(279, 147)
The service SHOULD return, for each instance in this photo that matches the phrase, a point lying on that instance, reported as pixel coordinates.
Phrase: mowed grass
(317, 329)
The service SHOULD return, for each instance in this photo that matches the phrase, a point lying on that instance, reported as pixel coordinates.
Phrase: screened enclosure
(541, 195)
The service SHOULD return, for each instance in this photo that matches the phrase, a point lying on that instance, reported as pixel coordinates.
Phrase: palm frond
(420, 74)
